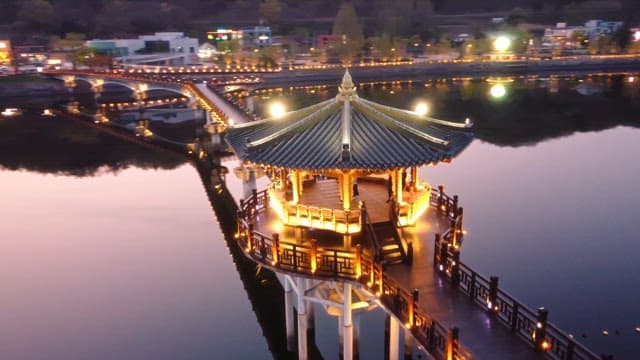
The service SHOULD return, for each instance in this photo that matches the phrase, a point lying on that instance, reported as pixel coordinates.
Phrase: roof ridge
(289, 130)
(411, 115)
(399, 126)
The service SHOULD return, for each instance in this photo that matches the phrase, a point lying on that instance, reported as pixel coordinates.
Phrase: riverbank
(457, 69)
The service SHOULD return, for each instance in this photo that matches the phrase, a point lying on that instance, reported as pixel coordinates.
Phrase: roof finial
(347, 89)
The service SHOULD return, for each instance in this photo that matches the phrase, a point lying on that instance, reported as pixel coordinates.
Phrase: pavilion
(330, 161)
(342, 172)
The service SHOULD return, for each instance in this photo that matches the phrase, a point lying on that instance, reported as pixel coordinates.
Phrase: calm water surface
(124, 259)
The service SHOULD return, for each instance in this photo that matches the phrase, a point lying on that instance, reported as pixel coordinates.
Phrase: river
(112, 251)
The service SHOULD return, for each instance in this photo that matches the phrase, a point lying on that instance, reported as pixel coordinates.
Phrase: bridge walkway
(229, 112)
(480, 332)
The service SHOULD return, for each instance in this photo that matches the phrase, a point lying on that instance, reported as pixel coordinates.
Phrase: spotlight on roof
(277, 110)
(422, 109)
(498, 90)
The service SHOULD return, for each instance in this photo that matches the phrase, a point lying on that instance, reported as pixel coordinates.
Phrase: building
(250, 37)
(596, 28)
(323, 41)
(5, 52)
(162, 48)
(568, 37)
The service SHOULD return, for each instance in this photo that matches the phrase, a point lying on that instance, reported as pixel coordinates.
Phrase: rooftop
(349, 132)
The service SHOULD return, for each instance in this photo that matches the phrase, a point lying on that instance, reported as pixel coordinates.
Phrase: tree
(347, 24)
(271, 10)
(70, 41)
(80, 56)
(37, 13)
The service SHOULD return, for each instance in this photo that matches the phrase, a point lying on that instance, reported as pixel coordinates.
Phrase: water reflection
(550, 219)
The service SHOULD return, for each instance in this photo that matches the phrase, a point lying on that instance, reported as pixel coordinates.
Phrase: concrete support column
(311, 316)
(302, 321)
(340, 337)
(394, 338)
(356, 336)
(408, 344)
(347, 331)
(288, 313)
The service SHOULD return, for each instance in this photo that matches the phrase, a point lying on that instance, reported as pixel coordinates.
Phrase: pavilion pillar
(283, 179)
(295, 184)
(288, 313)
(399, 189)
(414, 178)
(300, 181)
(302, 320)
(347, 331)
(346, 191)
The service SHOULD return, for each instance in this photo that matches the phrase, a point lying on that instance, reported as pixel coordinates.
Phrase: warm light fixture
(277, 110)
(422, 109)
(498, 90)
(502, 43)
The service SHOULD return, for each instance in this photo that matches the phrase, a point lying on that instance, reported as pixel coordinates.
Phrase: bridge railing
(355, 265)
(532, 326)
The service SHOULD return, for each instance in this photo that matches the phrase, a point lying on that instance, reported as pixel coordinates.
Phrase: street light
(502, 43)
(421, 109)
(497, 91)
(277, 110)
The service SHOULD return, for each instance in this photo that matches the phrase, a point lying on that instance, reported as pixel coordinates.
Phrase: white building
(162, 48)
(596, 28)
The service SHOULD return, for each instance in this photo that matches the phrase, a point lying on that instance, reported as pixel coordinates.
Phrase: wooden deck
(479, 331)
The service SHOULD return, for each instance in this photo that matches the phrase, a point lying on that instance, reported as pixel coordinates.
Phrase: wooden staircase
(391, 250)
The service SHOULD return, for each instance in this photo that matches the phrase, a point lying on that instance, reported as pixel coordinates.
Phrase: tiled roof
(348, 132)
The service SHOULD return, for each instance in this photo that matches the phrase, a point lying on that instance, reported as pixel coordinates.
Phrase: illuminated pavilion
(325, 161)
(343, 181)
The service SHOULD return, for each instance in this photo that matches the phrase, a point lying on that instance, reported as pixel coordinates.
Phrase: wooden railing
(532, 326)
(356, 266)
(337, 220)
(408, 213)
